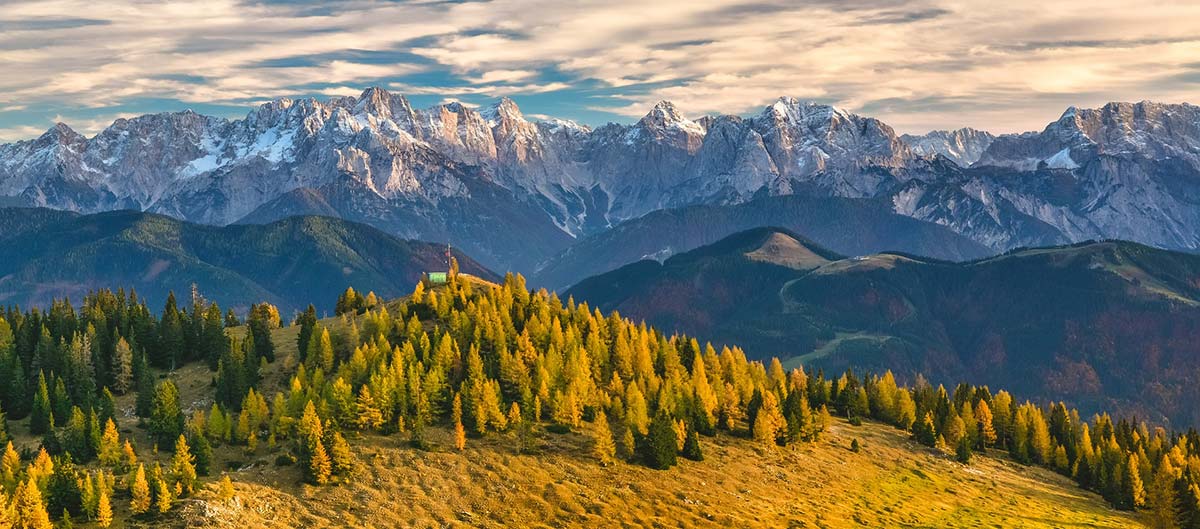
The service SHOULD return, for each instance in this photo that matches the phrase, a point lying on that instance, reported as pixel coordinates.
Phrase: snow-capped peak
(374, 101)
(62, 132)
(663, 113)
(963, 146)
(795, 110)
(665, 116)
(504, 110)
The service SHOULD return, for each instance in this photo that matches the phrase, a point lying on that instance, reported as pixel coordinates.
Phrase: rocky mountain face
(1124, 171)
(963, 146)
(513, 192)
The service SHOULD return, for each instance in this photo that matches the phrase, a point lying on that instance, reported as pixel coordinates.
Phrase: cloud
(20, 132)
(452, 100)
(505, 76)
(1005, 66)
(90, 127)
(903, 17)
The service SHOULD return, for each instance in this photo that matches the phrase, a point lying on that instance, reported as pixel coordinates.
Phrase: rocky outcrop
(963, 146)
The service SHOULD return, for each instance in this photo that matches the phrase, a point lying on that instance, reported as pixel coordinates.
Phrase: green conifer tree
(166, 418)
(41, 415)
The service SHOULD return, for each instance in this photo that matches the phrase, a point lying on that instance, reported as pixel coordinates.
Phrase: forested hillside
(49, 254)
(190, 417)
(1102, 325)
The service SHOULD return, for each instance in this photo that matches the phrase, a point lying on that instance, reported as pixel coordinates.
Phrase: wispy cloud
(1006, 66)
(20, 132)
(89, 127)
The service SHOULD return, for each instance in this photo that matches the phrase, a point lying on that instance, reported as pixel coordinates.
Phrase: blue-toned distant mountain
(47, 254)
(848, 226)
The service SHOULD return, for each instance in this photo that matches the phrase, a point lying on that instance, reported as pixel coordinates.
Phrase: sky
(1006, 66)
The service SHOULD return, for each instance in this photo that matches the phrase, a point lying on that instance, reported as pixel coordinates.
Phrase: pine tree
(350, 302)
(41, 468)
(924, 431)
(963, 452)
(83, 487)
(183, 468)
(145, 387)
(769, 423)
(1002, 419)
(460, 433)
(41, 415)
(307, 321)
(319, 466)
(225, 490)
(213, 341)
(798, 416)
(340, 456)
(166, 418)
(10, 468)
(1019, 446)
(95, 434)
(128, 456)
(319, 351)
(107, 406)
(104, 514)
(636, 412)
(122, 367)
(231, 319)
(201, 451)
(705, 395)
(263, 317)
(369, 416)
(1160, 496)
(169, 352)
(953, 430)
(1135, 492)
(110, 445)
(660, 446)
(1040, 443)
(906, 410)
(60, 400)
(1061, 461)
(1187, 501)
(28, 510)
(859, 405)
(162, 496)
(50, 440)
(75, 436)
(987, 431)
(140, 492)
(603, 446)
(691, 447)
(66, 488)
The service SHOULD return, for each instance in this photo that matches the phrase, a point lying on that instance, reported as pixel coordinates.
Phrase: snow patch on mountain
(1061, 160)
(963, 146)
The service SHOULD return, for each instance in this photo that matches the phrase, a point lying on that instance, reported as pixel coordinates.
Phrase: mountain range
(1103, 325)
(514, 192)
(47, 254)
(848, 226)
